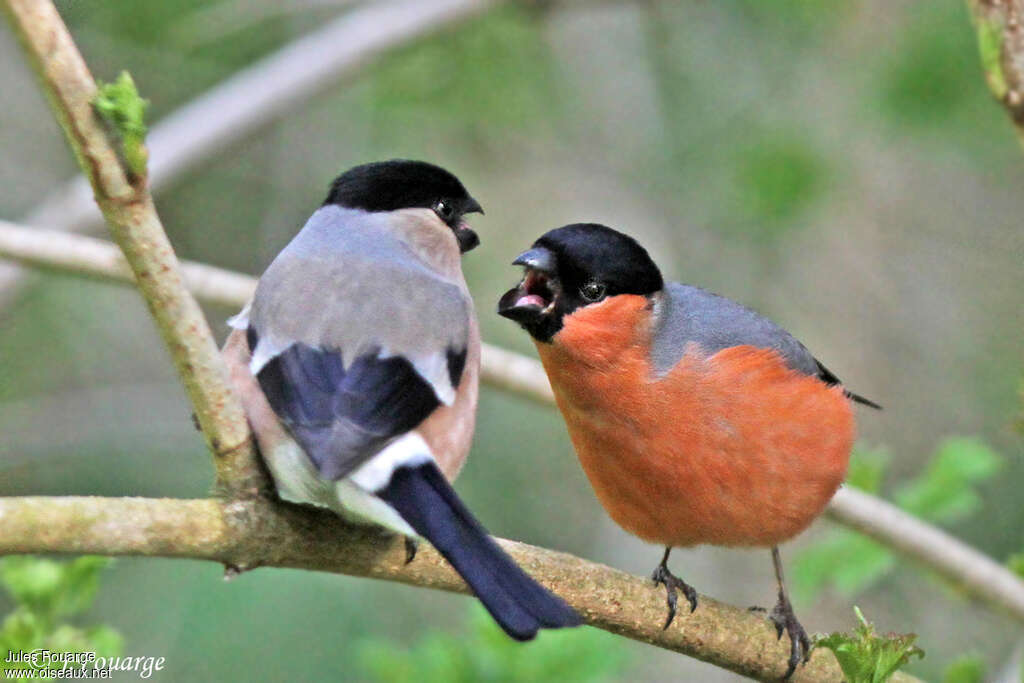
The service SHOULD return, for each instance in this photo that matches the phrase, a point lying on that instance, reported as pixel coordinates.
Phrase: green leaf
(945, 491)
(44, 591)
(965, 669)
(81, 581)
(104, 641)
(32, 582)
(866, 657)
(22, 631)
(121, 106)
(851, 561)
(867, 469)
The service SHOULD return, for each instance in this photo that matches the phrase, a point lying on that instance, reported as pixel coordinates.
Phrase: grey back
(345, 282)
(686, 314)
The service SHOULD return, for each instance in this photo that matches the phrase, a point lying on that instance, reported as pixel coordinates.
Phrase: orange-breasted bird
(695, 419)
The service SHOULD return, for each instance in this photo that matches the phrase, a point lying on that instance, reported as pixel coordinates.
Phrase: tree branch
(970, 570)
(1001, 42)
(258, 533)
(128, 208)
(63, 252)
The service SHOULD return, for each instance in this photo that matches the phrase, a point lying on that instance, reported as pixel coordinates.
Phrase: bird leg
(672, 583)
(785, 620)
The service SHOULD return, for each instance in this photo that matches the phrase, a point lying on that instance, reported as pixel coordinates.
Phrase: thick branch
(255, 532)
(1001, 42)
(977, 574)
(128, 208)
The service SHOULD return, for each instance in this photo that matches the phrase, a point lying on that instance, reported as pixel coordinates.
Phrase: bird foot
(411, 544)
(672, 583)
(799, 644)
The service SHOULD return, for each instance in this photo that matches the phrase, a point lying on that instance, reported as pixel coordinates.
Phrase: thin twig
(258, 533)
(976, 573)
(64, 252)
(128, 208)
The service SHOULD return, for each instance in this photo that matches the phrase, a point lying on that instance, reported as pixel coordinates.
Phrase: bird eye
(593, 291)
(444, 209)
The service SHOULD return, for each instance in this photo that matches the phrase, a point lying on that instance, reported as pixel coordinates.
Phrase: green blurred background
(839, 166)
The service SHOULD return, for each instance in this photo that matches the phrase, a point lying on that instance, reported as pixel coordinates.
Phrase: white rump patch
(409, 450)
(298, 481)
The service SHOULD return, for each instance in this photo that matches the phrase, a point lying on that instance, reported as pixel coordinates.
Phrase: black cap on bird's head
(405, 184)
(574, 266)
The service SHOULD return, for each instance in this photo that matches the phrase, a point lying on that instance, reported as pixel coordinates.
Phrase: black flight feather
(342, 417)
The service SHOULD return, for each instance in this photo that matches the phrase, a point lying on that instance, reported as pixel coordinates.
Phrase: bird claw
(411, 545)
(672, 583)
(784, 619)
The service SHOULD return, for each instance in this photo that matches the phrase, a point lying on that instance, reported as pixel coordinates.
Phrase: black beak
(529, 302)
(524, 315)
(467, 238)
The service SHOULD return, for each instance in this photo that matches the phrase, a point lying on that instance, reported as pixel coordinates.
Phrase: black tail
(857, 398)
(829, 377)
(520, 605)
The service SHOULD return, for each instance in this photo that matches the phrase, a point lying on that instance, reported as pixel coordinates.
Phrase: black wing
(342, 417)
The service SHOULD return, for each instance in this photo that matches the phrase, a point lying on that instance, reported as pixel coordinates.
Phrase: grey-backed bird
(358, 362)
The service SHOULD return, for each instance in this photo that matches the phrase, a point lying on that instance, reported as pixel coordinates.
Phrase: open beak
(536, 294)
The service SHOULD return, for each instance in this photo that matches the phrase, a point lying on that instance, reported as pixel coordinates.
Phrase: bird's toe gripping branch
(799, 644)
(672, 583)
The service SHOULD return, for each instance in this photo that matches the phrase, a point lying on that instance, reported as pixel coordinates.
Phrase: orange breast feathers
(732, 449)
